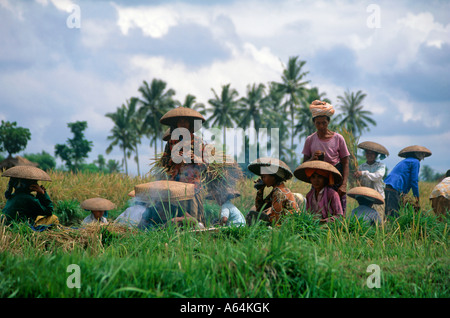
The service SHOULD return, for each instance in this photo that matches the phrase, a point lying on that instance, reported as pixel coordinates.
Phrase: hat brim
(97, 204)
(366, 192)
(412, 149)
(373, 146)
(27, 172)
(273, 166)
(300, 171)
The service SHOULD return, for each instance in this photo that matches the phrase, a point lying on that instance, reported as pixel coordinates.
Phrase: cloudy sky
(65, 60)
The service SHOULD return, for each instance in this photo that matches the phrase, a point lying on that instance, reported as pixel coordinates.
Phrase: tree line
(282, 104)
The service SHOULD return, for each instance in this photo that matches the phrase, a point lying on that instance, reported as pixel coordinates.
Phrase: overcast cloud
(51, 74)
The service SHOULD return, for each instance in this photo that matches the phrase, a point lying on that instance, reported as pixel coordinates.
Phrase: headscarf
(319, 108)
(309, 172)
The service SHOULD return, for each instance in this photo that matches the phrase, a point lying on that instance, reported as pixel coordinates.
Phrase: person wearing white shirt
(371, 174)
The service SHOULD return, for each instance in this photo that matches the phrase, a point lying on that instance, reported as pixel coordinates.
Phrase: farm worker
(371, 173)
(322, 200)
(133, 215)
(328, 146)
(21, 205)
(181, 166)
(230, 215)
(166, 202)
(98, 208)
(440, 197)
(366, 198)
(280, 201)
(403, 178)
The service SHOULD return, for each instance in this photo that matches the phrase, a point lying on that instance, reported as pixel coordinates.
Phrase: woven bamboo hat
(165, 190)
(170, 118)
(27, 172)
(366, 192)
(403, 153)
(373, 146)
(97, 204)
(300, 171)
(267, 165)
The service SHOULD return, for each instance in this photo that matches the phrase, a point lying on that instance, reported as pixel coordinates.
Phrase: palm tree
(224, 108)
(155, 102)
(274, 118)
(305, 125)
(354, 118)
(101, 161)
(123, 133)
(293, 87)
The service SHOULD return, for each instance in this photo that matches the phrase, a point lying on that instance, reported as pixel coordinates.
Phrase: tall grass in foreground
(300, 258)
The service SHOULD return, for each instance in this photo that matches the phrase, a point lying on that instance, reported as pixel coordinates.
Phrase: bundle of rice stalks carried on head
(158, 170)
(221, 174)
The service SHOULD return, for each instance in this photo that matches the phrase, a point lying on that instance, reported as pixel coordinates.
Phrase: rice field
(406, 258)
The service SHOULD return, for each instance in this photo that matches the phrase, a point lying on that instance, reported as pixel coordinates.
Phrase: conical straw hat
(369, 193)
(172, 115)
(97, 204)
(165, 190)
(373, 146)
(27, 172)
(267, 165)
(300, 173)
(415, 148)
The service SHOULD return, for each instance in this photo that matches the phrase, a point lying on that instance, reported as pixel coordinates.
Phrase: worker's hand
(39, 189)
(318, 155)
(357, 174)
(342, 190)
(258, 184)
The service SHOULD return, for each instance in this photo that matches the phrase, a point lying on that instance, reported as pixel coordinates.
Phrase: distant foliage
(13, 139)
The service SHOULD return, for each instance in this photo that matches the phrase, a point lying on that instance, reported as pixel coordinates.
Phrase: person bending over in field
(322, 200)
(440, 197)
(403, 178)
(229, 213)
(366, 198)
(280, 201)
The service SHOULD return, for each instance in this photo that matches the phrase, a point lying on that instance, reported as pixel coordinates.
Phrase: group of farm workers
(178, 198)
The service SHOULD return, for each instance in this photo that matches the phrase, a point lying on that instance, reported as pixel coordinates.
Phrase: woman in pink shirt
(322, 200)
(328, 146)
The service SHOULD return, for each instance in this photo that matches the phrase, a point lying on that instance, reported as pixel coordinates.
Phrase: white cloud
(246, 66)
(153, 21)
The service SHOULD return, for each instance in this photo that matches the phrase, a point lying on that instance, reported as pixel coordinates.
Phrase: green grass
(300, 258)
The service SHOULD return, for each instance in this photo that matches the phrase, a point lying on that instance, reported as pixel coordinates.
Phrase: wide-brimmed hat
(268, 165)
(404, 152)
(300, 171)
(170, 118)
(27, 172)
(367, 193)
(165, 191)
(373, 146)
(97, 204)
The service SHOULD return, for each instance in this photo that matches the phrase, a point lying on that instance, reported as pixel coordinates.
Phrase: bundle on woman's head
(319, 108)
